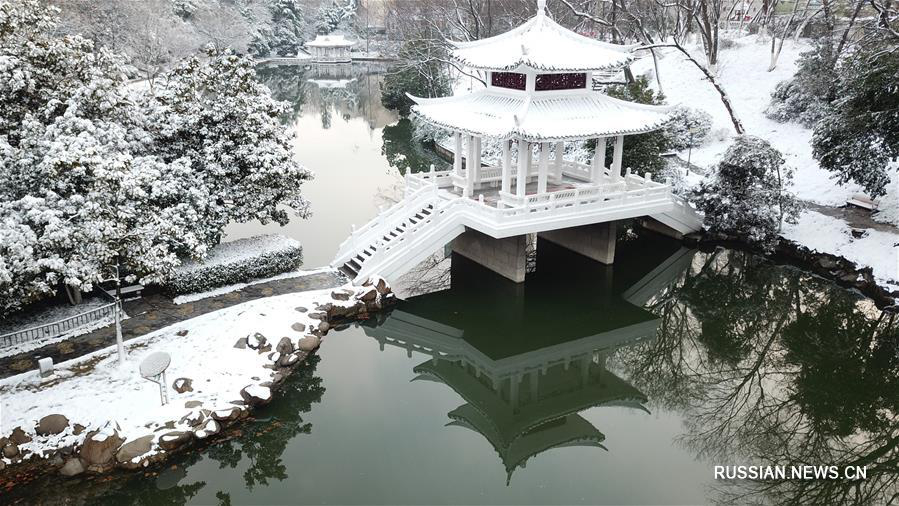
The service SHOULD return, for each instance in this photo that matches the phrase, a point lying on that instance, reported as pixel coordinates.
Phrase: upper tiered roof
(541, 44)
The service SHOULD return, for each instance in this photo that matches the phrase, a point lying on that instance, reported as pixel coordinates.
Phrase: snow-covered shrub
(334, 15)
(184, 9)
(236, 262)
(688, 127)
(746, 194)
(806, 97)
(858, 139)
(422, 131)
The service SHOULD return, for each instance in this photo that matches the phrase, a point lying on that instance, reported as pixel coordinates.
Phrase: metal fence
(58, 328)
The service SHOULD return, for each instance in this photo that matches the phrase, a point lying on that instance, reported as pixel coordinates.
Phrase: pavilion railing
(58, 328)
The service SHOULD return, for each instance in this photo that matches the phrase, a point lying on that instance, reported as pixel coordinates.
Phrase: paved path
(155, 311)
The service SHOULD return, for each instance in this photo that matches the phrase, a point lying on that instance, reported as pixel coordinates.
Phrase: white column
(616, 156)
(457, 159)
(477, 160)
(469, 162)
(599, 161)
(507, 166)
(558, 161)
(524, 156)
(543, 167)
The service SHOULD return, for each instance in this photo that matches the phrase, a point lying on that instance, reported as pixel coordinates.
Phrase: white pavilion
(538, 97)
(333, 48)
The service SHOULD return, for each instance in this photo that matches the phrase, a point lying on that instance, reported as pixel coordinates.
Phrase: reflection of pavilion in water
(528, 358)
(351, 90)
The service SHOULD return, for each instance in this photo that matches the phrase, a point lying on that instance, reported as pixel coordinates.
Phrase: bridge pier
(595, 241)
(506, 257)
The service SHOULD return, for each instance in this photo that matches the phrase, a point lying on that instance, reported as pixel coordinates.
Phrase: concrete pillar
(506, 257)
(469, 166)
(457, 159)
(599, 161)
(595, 241)
(477, 161)
(558, 161)
(507, 167)
(543, 167)
(524, 158)
(616, 156)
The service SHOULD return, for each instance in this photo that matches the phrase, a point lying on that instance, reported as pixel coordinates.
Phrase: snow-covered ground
(743, 72)
(94, 390)
(222, 290)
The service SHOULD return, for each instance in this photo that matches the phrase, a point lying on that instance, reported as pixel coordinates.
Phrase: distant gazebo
(332, 48)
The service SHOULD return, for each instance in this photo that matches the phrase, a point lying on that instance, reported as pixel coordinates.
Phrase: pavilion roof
(333, 40)
(542, 44)
(540, 118)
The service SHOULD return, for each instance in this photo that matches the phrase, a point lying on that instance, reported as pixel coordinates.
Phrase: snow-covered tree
(332, 16)
(642, 152)
(747, 193)
(807, 96)
(97, 173)
(688, 128)
(859, 136)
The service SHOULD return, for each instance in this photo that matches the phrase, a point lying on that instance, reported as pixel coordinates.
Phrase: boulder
(301, 309)
(381, 286)
(194, 418)
(10, 450)
(51, 424)
(369, 295)
(288, 360)
(192, 404)
(174, 439)
(78, 429)
(308, 343)
(19, 436)
(134, 448)
(181, 333)
(72, 467)
(241, 343)
(226, 414)
(265, 349)
(299, 327)
(340, 295)
(256, 341)
(99, 448)
(324, 327)
(285, 346)
(256, 395)
(182, 385)
(208, 428)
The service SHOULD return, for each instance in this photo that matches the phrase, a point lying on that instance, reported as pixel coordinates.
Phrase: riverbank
(94, 416)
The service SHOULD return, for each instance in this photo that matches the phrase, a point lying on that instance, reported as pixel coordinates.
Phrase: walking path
(155, 311)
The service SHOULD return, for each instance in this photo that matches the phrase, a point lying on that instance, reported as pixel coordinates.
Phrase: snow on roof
(537, 118)
(542, 44)
(332, 40)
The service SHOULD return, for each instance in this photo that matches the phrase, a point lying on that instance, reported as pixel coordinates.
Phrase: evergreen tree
(747, 192)
(422, 76)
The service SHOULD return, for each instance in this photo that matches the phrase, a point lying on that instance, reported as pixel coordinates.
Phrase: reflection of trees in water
(259, 445)
(772, 366)
(404, 152)
(287, 84)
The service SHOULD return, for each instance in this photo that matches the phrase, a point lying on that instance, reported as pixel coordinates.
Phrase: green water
(586, 384)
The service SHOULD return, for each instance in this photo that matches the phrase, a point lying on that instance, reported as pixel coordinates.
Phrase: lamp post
(117, 311)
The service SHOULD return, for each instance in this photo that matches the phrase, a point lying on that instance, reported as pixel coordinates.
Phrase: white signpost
(153, 368)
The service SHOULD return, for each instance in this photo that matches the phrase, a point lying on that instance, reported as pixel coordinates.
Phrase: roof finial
(541, 7)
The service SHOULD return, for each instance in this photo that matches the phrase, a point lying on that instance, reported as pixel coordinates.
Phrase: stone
(72, 467)
(2, 465)
(299, 327)
(209, 428)
(256, 341)
(827, 263)
(226, 414)
(381, 286)
(285, 346)
(308, 343)
(287, 360)
(51, 424)
(241, 343)
(194, 418)
(78, 429)
(19, 436)
(182, 385)
(301, 309)
(182, 332)
(265, 349)
(256, 395)
(340, 295)
(100, 449)
(324, 327)
(134, 448)
(369, 295)
(174, 439)
(10, 450)
(192, 404)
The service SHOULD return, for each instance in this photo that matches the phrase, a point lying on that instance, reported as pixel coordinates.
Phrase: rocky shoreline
(103, 450)
(832, 267)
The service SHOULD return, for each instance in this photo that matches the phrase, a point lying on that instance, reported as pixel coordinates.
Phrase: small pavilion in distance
(333, 48)
(538, 97)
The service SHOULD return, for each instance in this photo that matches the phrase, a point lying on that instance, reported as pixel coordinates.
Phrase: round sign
(155, 364)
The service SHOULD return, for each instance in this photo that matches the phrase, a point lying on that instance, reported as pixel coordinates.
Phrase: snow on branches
(746, 194)
(98, 173)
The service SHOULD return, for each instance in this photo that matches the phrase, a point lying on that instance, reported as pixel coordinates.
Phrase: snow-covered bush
(746, 194)
(334, 15)
(184, 9)
(807, 96)
(688, 127)
(422, 131)
(236, 262)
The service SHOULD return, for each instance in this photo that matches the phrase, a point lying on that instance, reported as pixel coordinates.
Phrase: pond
(587, 384)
